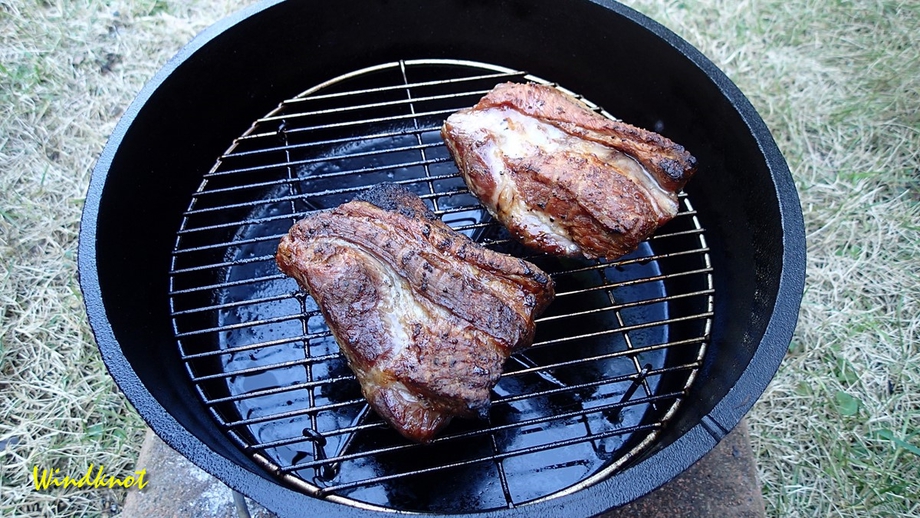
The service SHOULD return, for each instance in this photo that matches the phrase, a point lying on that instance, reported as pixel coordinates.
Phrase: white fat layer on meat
(517, 135)
(400, 390)
(507, 200)
(664, 203)
(513, 144)
(399, 308)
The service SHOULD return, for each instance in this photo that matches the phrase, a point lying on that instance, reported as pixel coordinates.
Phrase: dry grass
(67, 70)
(838, 431)
(838, 83)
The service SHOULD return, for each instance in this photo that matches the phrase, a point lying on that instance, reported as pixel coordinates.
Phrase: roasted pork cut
(562, 178)
(425, 316)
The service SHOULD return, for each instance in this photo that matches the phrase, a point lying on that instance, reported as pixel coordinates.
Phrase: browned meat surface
(562, 178)
(425, 316)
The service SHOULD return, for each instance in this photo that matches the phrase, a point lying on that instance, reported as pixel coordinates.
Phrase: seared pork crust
(424, 316)
(564, 179)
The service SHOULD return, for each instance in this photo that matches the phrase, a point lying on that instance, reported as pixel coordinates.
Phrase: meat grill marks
(425, 316)
(562, 178)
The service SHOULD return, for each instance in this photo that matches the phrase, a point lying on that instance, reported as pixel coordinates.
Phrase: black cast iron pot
(142, 190)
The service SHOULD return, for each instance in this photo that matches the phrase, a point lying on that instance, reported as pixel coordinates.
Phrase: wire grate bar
(348, 124)
(623, 329)
(368, 106)
(347, 430)
(633, 282)
(250, 347)
(616, 354)
(417, 180)
(624, 305)
(459, 228)
(276, 390)
(247, 222)
(653, 237)
(293, 413)
(454, 210)
(315, 160)
(262, 345)
(224, 264)
(327, 192)
(202, 248)
(592, 384)
(500, 75)
(320, 143)
(283, 318)
(228, 305)
(238, 325)
(222, 285)
(306, 213)
(692, 232)
(303, 214)
(254, 370)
